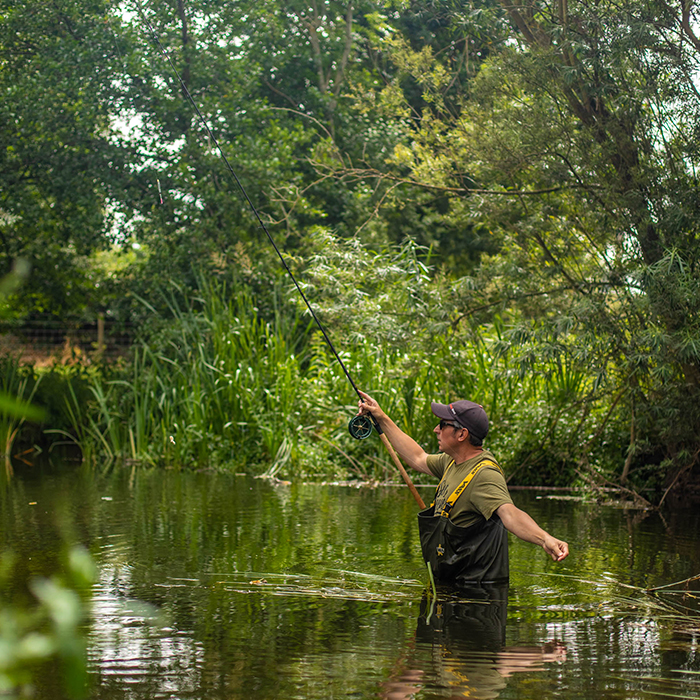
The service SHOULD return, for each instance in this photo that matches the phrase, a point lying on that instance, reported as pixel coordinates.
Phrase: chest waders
(464, 555)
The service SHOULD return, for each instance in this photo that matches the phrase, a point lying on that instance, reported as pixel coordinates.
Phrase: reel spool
(360, 427)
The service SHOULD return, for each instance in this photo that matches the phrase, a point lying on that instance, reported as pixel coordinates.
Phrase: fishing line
(232, 172)
(360, 426)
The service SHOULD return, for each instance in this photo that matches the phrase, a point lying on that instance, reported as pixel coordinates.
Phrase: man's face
(447, 433)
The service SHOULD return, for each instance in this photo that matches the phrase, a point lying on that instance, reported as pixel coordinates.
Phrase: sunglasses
(444, 423)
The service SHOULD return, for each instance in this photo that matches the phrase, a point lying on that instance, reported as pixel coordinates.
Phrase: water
(224, 587)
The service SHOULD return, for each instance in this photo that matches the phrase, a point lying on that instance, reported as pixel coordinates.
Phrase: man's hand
(369, 405)
(412, 453)
(556, 549)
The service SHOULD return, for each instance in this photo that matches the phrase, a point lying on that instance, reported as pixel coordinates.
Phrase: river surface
(220, 587)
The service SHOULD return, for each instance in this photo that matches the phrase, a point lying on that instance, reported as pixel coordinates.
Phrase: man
(463, 534)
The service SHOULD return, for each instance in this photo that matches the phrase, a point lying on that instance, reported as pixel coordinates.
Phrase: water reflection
(459, 648)
(216, 587)
(131, 644)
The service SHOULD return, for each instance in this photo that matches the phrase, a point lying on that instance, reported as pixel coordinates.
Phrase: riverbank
(222, 383)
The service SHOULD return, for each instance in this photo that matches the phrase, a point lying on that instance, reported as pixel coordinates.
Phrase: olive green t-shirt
(486, 492)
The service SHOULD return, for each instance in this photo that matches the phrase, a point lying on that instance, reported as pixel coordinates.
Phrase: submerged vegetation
(482, 199)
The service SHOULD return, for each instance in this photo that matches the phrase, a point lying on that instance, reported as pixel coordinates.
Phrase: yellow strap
(449, 503)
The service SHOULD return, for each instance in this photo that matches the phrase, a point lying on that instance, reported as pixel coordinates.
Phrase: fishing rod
(360, 426)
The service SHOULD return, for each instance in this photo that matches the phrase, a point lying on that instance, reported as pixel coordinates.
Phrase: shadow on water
(223, 587)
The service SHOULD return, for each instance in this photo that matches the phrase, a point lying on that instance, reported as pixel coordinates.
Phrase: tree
(575, 147)
(59, 168)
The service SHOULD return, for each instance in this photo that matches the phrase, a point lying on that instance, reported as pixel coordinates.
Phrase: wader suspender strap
(458, 491)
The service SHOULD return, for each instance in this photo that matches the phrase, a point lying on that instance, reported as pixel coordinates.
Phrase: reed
(17, 388)
(223, 383)
(220, 385)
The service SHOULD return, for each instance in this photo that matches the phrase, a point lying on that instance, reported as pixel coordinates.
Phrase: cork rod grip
(404, 475)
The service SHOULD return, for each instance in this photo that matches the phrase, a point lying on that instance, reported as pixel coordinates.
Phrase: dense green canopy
(514, 178)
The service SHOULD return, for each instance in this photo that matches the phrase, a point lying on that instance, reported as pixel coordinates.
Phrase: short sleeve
(489, 492)
(437, 464)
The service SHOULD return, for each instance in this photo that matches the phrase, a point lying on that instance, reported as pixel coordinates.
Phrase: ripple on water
(216, 588)
(129, 642)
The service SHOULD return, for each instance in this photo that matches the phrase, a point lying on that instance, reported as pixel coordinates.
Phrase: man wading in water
(462, 534)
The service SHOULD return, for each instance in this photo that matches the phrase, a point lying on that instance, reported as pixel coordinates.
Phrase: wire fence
(58, 338)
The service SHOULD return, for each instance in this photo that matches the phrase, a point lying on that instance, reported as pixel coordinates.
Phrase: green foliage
(575, 146)
(46, 629)
(39, 403)
(253, 386)
(203, 390)
(17, 389)
(542, 158)
(104, 146)
(58, 165)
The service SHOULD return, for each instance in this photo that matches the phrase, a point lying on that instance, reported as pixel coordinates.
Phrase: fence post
(100, 332)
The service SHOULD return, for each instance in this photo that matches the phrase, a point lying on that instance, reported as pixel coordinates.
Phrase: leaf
(13, 406)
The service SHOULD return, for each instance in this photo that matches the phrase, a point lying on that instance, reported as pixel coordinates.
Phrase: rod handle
(402, 471)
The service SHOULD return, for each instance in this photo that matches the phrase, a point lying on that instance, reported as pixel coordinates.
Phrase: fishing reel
(360, 427)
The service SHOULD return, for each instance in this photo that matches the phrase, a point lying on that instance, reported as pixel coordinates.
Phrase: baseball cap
(468, 414)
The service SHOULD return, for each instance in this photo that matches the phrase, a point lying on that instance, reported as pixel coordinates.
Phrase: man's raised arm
(409, 450)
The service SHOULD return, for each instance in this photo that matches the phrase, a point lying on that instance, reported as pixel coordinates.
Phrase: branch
(374, 174)
(280, 93)
(605, 420)
(533, 34)
(355, 464)
(681, 471)
(312, 26)
(685, 23)
(316, 121)
(637, 497)
(346, 51)
(630, 453)
(378, 206)
(685, 581)
(548, 254)
(66, 22)
(185, 41)
(517, 297)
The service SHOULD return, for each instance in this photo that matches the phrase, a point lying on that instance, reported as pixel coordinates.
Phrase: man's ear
(465, 435)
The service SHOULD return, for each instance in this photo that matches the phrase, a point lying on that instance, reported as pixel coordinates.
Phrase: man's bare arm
(523, 526)
(409, 450)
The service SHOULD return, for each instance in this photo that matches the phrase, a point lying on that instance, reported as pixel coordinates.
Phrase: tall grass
(220, 383)
(17, 388)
